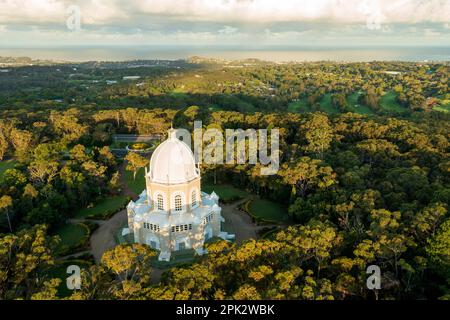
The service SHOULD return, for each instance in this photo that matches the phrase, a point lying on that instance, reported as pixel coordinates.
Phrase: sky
(50, 23)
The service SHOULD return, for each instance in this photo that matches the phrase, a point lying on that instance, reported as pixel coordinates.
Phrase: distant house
(394, 73)
(131, 77)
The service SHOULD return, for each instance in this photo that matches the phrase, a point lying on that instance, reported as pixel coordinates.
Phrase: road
(103, 238)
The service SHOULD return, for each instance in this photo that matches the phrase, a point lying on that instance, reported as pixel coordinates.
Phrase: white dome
(172, 162)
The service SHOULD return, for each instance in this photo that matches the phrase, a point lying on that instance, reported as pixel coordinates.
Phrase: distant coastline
(274, 54)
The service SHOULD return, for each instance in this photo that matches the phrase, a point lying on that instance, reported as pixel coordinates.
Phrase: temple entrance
(152, 241)
(182, 244)
(208, 232)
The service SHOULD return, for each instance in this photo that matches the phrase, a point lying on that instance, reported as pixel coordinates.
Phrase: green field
(444, 105)
(137, 185)
(389, 103)
(119, 144)
(226, 193)
(298, 106)
(269, 210)
(71, 235)
(214, 108)
(7, 164)
(326, 105)
(441, 108)
(356, 107)
(103, 207)
(177, 258)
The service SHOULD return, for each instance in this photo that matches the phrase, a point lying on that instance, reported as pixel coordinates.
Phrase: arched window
(160, 202)
(178, 205)
(193, 198)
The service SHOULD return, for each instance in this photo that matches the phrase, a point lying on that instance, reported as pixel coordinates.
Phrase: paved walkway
(236, 222)
(103, 238)
(239, 223)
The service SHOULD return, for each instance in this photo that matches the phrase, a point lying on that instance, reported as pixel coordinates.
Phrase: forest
(364, 175)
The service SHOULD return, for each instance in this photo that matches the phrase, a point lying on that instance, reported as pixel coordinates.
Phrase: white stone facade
(172, 213)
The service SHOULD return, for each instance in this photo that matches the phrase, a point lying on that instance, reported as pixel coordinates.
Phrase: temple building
(172, 213)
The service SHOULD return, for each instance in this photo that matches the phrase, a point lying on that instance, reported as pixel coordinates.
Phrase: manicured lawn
(71, 234)
(355, 106)
(269, 210)
(326, 105)
(119, 144)
(441, 108)
(214, 107)
(103, 207)
(389, 103)
(226, 192)
(444, 105)
(298, 106)
(5, 165)
(135, 185)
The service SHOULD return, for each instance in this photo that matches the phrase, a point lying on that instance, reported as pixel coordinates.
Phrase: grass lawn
(135, 185)
(441, 108)
(214, 107)
(71, 234)
(269, 210)
(119, 144)
(298, 106)
(5, 165)
(226, 192)
(389, 103)
(356, 107)
(103, 207)
(326, 105)
(444, 105)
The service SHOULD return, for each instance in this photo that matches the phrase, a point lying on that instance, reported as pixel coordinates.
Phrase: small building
(131, 77)
(172, 213)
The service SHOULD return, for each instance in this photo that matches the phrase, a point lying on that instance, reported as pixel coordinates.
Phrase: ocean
(276, 54)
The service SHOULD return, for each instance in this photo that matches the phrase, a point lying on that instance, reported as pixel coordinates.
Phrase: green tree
(5, 203)
(135, 162)
(25, 258)
(318, 133)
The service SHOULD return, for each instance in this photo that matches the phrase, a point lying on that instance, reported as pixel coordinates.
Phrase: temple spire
(172, 133)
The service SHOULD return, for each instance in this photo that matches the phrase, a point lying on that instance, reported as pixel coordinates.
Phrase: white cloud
(255, 11)
(228, 30)
(219, 21)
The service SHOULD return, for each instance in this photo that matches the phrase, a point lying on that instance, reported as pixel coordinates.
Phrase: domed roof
(172, 162)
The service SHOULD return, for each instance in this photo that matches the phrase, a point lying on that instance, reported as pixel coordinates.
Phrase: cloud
(228, 30)
(223, 20)
(254, 11)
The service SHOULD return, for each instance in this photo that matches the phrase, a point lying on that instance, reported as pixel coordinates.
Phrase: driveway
(103, 238)
(239, 223)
